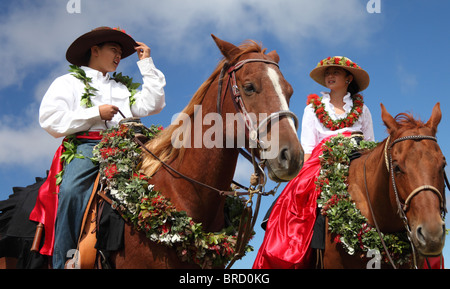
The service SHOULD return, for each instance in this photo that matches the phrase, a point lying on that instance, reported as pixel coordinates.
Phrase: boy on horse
(81, 105)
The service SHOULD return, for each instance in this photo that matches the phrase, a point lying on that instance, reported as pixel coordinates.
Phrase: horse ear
(388, 120)
(274, 55)
(435, 118)
(230, 51)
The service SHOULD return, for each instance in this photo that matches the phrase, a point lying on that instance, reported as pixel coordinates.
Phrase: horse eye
(249, 88)
(397, 168)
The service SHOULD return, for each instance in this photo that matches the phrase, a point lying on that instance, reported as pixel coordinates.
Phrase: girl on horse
(289, 229)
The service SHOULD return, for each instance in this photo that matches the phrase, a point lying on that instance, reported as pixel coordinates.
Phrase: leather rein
(403, 207)
(258, 179)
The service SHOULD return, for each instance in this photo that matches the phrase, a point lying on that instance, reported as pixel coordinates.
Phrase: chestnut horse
(256, 77)
(412, 158)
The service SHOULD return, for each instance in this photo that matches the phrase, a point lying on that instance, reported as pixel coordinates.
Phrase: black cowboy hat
(77, 53)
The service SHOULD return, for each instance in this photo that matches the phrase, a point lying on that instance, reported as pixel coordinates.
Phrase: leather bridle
(403, 207)
(252, 130)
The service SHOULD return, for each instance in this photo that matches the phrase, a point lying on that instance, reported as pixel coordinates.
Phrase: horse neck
(211, 166)
(218, 160)
(377, 181)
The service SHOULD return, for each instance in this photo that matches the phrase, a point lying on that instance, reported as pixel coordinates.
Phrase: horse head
(416, 166)
(260, 94)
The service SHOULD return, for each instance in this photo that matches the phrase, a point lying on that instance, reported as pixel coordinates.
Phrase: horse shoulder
(356, 186)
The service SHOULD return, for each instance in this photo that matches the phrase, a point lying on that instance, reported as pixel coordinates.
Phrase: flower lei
(344, 219)
(327, 121)
(152, 213)
(89, 90)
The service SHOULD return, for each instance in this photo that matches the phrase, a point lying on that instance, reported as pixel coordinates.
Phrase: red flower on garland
(108, 152)
(141, 176)
(337, 239)
(111, 171)
(165, 228)
(325, 119)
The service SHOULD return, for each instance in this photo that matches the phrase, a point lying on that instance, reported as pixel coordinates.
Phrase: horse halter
(252, 130)
(403, 208)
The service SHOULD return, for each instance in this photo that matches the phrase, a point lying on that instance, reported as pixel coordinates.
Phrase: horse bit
(403, 208)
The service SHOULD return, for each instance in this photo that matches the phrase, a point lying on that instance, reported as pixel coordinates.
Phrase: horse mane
(162, 146)
(407, 121)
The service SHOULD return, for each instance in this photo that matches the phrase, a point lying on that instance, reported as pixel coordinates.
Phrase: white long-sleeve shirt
(61, 113)
(313, 131)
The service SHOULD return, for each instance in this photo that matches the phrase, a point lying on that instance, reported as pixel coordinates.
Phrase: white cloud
(28, 146)
(39, 33)
(36, 35)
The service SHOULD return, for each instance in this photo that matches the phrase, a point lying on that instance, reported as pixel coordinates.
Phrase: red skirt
(290, 226)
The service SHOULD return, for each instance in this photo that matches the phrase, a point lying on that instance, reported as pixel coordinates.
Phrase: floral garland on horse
(152, 213)
(345, 221)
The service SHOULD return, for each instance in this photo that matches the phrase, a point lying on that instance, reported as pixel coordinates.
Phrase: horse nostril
(420, 236)
(284, 158)
(423, 236)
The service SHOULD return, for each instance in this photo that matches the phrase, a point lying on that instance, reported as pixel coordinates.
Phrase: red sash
(47, 201)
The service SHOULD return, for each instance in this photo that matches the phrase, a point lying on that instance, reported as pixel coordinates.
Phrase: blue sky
(403, 48)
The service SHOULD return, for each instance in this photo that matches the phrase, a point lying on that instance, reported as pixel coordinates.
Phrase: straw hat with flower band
(78, 52)
(360, 76)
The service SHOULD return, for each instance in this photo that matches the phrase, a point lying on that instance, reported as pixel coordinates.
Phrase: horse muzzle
(429, 239)
(283, 152)
(286, 165)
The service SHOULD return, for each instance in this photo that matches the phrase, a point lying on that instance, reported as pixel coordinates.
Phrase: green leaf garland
(89, 90)
(70, 144)
(345, 220)
(154, 214)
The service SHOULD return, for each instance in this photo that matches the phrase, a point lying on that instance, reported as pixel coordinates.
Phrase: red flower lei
(325, 119)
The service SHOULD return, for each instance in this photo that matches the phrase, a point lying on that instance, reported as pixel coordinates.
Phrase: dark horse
(264, 98)
(402, 189)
